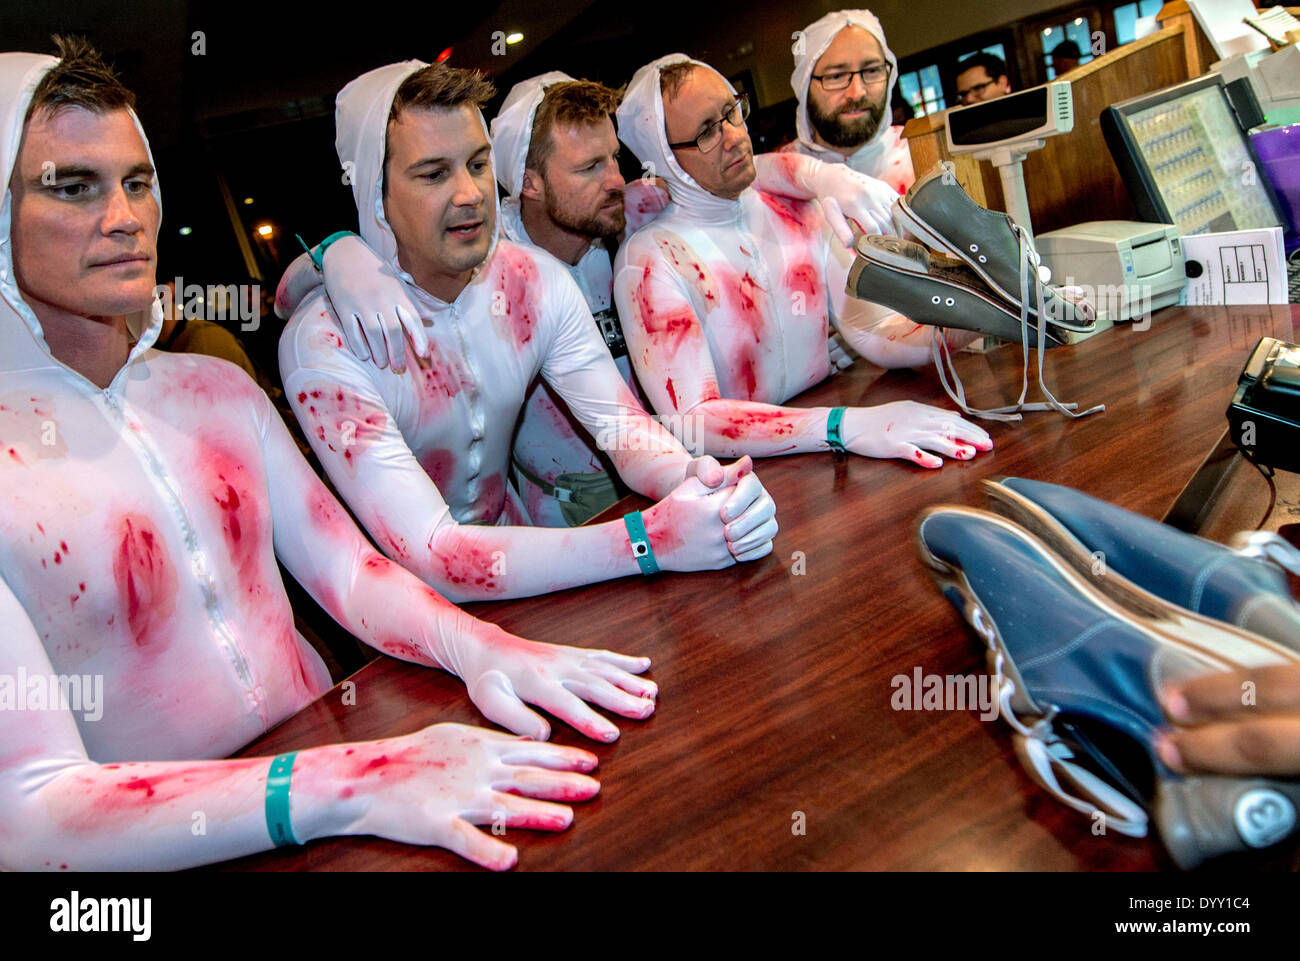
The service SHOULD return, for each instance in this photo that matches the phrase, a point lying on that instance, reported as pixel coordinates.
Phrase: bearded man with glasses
(843, 76)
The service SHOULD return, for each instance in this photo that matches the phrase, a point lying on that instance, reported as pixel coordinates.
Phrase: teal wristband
(833, 436)
(277, 800)
(318, 255)
(636, 535)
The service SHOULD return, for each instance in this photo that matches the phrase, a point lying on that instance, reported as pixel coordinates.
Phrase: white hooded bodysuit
(422, 457)
(886, 155)
(729, 300)
(550, 441)
(139, 530)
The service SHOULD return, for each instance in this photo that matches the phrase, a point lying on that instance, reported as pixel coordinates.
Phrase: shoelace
(1043, 753)
(1029, 260)
(1268, 547)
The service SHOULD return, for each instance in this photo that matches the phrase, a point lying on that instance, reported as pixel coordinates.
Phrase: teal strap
(277, 800)
(833, 436)
(645, 557)
(318, 255)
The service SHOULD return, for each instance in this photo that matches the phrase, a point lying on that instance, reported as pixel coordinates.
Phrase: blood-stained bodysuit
(422, 457)
(139, 530)
(885, 155)
(725, 306)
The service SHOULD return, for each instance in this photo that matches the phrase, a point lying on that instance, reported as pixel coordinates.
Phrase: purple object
(1279, 152)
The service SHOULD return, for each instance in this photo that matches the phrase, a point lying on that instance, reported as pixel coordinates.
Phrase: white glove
(503, 673)
(845, 194)
(840, 359)
(906, 429)
(433, 786)
(372, 305)
(749, 514)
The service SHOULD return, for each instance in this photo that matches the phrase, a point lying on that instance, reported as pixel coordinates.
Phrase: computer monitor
(1186, 160)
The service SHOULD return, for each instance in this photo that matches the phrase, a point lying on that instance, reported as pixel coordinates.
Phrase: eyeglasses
(872, 73)
(712, 135)
(971, 91)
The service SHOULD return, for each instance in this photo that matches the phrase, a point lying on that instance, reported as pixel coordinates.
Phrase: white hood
(512, 128)
(22, 342)
(817, 37)
(361, 122)
(641, 127)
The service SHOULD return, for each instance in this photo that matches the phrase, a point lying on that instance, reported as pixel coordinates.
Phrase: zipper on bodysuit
(216, 618)
(476, 414)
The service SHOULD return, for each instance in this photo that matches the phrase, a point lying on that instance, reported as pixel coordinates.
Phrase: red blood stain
(440, 378)
(663, 537)
(668, 328)
(440, 465)
(688, 266)
(327, 339)
(406, 651)
(795, 215)
(393, 544)
(492, 497)
(346, 423)
(746, 378)
(238, 515)
(474, 568)
(516, 296)
(672, 394)
(145, 578)
(377, 564)
(804, 279)
(14, 454)
(757, 423)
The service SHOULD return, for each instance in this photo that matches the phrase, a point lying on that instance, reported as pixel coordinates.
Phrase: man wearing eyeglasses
(982, 77)
(843, 74)
(726, 296)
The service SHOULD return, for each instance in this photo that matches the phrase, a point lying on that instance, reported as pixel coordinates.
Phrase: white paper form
(1237, 267)
(1223, 22)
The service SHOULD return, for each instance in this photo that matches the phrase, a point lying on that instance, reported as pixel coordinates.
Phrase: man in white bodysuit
(144, 499)
(844, 74)
(726, 295)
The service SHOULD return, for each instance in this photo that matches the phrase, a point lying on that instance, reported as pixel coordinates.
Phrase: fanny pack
(581, 496)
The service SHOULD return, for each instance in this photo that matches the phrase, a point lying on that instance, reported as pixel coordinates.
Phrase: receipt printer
(1264, 415)
(1127, 269)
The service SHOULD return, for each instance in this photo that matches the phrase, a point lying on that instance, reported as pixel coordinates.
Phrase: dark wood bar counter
(775, 677)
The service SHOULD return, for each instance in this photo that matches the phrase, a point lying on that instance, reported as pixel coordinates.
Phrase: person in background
(981, 77)
(1065, 57)
(843, 70)
(195, 335)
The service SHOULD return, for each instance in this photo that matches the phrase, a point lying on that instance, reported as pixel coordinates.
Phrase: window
(1135, 20)
(923, 90)
(1076, 30)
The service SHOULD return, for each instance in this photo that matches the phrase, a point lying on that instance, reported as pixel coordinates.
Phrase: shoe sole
(906, 219)
(1217, 638)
